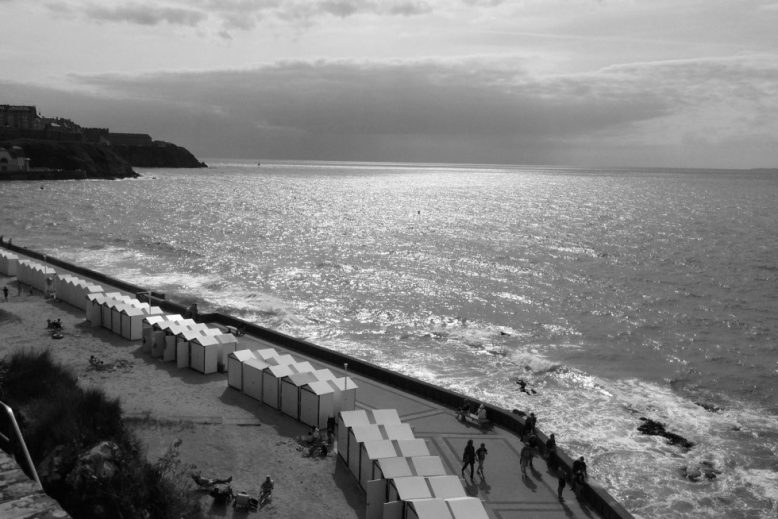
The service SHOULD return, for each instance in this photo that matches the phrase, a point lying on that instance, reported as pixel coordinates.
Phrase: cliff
(160, 154)
(66, 160)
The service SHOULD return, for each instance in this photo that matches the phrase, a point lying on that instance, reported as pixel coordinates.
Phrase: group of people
(466, 409)
(471, 455)
(220, 488)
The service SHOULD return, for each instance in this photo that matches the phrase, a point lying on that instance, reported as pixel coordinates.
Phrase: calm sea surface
(615, 294)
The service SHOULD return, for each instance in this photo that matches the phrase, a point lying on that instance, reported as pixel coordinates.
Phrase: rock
(653, 428)
(159, 154)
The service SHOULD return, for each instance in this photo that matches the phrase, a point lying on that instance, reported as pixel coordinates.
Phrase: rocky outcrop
(160, 154)
(654, 428)
(52, 160)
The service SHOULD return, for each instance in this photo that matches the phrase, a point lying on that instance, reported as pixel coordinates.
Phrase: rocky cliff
(160, 154)
(65, 160)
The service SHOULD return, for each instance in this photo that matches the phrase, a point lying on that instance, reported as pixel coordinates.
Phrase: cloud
(476, 110)
(145, 15)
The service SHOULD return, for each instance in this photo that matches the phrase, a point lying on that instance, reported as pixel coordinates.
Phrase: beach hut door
(393, 510)
(375, 492)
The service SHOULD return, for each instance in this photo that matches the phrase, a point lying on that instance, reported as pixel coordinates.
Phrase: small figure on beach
(523, 387)
(468, 458)
(480, 455)
(209, 482)
(266, 490)
(5, 292)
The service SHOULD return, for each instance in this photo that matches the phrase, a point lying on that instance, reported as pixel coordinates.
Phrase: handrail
(20, 442)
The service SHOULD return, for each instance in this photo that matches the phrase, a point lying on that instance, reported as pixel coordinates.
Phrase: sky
(610, 83)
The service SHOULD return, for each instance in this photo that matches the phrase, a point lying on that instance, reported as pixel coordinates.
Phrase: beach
(222, 432)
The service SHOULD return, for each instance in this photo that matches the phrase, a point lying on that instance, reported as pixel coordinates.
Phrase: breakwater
(597, 497)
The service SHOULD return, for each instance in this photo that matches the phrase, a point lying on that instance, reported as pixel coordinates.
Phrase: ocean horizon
(615, 294)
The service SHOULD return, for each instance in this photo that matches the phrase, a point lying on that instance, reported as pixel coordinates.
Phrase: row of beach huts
(400, 477)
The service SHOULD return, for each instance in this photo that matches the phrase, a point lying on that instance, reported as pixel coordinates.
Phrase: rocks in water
(654, 428)
(698, 472)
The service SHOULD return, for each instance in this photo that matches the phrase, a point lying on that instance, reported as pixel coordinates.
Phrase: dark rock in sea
(159, 154)
(653, 428)
(705, 469)
(520, 413)
(58, 160)
(708, 407)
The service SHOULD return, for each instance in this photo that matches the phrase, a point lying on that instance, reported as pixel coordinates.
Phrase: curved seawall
(596, 496)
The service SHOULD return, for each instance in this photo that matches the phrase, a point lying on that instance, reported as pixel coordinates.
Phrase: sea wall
(597, 497)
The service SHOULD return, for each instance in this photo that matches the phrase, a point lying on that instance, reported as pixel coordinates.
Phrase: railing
(12, 441)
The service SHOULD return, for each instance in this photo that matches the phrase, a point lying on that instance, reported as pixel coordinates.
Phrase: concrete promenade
(503, 491)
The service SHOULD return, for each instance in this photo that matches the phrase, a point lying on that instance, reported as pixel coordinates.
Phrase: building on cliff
(20, 117)
(12, 160)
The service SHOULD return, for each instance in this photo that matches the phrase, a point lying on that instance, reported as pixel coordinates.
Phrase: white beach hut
(9, 263)
(317, 403)
(266, 353)
(94, 309)
(417, 509)
(374, 451)
(390, 468)
(291, 386)
(358, 436)
(346, 421)
(148, 323)
(228, 344)
(253, 373)
(345, 394)
(204, 351)
(271, 383)
(132, 320)
(235, 362)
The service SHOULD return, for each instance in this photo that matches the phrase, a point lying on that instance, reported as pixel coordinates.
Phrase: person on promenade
(266, 490)
(529, 425)
(525, 458)
(562, 475)
(551, 460)
(480, 455)
(579, 474)
(463, 410)
(5, 292)
(468, 458)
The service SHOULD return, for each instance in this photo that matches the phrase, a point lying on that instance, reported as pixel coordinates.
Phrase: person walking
(562, 475)
(468, 458)
(525, 458)
(5, 292)
(480, 455)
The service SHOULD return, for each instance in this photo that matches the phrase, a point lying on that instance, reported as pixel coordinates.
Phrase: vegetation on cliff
(65, 159)
(86, 458)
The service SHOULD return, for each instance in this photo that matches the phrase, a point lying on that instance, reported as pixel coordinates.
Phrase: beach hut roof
(255, 363)
(279, 371)
(427, 465)
(365, 433)
(399, 431)
(414, 447)
(302, 367)
(411, 487)
(431, 509)
(324, 374)
(319, 387)
(386, 416)
(354, 418)
(300, 379)
(343, 384)
(380, 449)
(396, 467)
(226, 338)
(467, 508)
(241, 355)
(205, 340)
(446, 487)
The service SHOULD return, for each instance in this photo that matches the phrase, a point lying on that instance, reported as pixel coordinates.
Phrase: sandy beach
(223, 432)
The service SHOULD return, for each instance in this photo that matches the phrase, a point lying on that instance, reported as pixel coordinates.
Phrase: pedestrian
(480, 455)
(468, 458)
(551, 459)
(529, 425)
(5, 292)
(562, 475)
(579, 474)
(525, 458)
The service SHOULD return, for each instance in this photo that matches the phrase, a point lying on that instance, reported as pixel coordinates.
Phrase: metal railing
(12, 441)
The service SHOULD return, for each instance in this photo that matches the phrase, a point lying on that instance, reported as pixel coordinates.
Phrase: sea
(613, 294)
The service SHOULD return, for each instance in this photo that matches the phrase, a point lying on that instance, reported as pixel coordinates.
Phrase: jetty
(429, 411)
